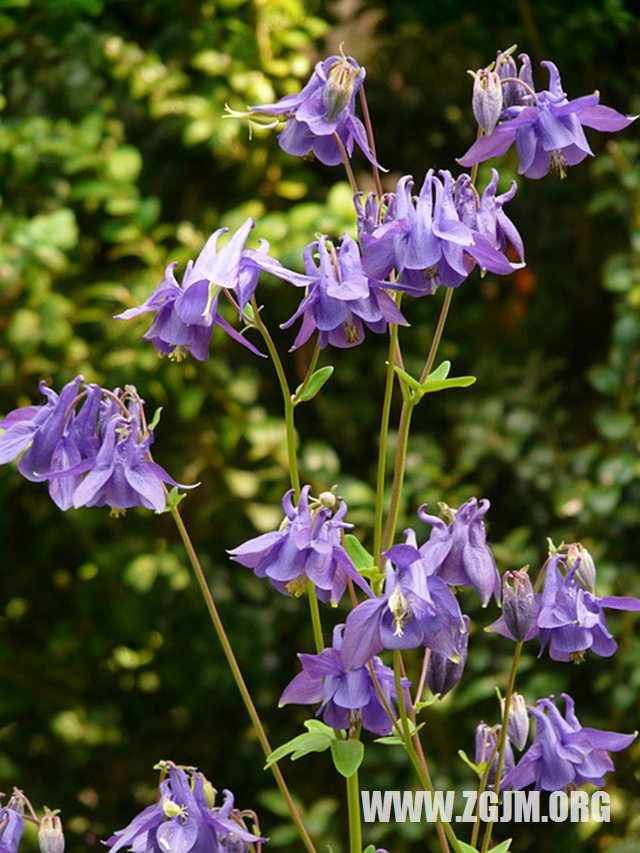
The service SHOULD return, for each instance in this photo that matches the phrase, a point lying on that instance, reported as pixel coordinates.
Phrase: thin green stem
(372, 142)
(481, 789)
(316, 623)
(383, 444)
(437, 337)
(353, 807)
(503, 737)
(398, 473)
(286, 395)
(310, 369)
(239, 679)
(347, 164)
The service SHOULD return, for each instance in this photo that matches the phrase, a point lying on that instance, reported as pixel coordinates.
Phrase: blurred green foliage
(115, 160)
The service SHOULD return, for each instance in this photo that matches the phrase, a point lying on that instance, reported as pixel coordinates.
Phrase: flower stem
(316, 623)
(309, 373)
(372, 143)
(481, 789)
(239, 679)
(347, 164)
(353, 807)
(503, 738)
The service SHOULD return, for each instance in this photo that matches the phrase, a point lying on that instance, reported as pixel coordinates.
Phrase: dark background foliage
(115, 160)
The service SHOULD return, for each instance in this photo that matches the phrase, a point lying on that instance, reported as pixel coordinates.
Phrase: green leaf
(360, 557)
(156, 419)
(370, 849)
(429, 386)
(347, 756)
(393, 740)
(441, 372)
(319, 727)
(315, 383)
(317, 738)
(477, 768)
(467, 848)
(503, 847)
(413, 384)
(174, 497)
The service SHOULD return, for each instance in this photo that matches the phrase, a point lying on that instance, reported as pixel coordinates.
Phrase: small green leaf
(467, 848)
(370, 849)
(426, 702)
(441, 372)
(477, 768)
(249, 314)
(504, 847)
(156, 419)
(347, 756)
(394, 740)
(413, 384)
(429, 386)
(360, 557)
(174, 497)
(315, 383)
(319, 727)
(301, 745)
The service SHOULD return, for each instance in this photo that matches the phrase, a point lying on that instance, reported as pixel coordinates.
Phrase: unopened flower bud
(442, 673)
(518, 723)
(338, 88)
(328, 499)
(50, 836)
(518, 604)
(487, 99)
(586, 572)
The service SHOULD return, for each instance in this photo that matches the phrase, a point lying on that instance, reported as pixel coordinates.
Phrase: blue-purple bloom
(186, 314)
(347, 696)
(546, 126)
(323, 108)
(341, 298)
(564, 752)
(570, 618)
(443, 673)
(519, 609)
(306, 547)
(416, 609)
(91, 431)
(438, 237)
(11, 824)
(458, 552)
(487, 740)
(185, 821)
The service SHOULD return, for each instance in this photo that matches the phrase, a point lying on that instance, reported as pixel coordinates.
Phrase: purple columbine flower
(416, 609)
(185, 315)
(458, 552)
(518, 722)
(323, 108)
(347, 696)
(487, 739)
(184, 821)
(519, 609)
(564, 752)
(434, 239)
(306, 547)
(341, 298)
(12, 823)
(546, 127)
(443, 673)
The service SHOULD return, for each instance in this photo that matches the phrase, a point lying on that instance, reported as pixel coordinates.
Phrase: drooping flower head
(324, 108)
(443, 673)
(306, 547)
(439, 236)
(545, 125)
(416, 609)
(487, 740)
(340, 297)
(564, 752)
(87, 431)
(185, 820)
(346, 696)
(458, 552)
(186, 314)
(50, 834)
(12, 823)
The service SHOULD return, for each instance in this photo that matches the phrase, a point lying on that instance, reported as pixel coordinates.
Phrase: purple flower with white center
(429, 242)
(184, 821)
(307, 547)
(487, 740)
(186, 314)
(324, 108)
(347, 696)
(564, 752)
(547, 128)
(341, 298)
(443, 673)
(416, 609)
(458, 552)
(12, 823)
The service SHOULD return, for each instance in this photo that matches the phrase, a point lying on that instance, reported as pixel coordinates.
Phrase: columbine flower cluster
(185, 819)
(12, 820)
(90, 444)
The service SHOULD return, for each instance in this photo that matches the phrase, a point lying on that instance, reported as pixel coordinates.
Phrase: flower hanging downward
(546, 126)
(12, 823)
(564, 752)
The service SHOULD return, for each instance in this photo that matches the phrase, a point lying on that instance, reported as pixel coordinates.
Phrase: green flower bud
(338, 88)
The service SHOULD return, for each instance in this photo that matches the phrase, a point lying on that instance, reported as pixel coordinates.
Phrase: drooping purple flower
(434, 239)
(323, 108)
(487, 100)
(546, 127)
(518, 722)
(186, 314)
(487, 740)
(307, 547)
(341, 298)
(184, 821)
(443, 673)
(12, 824)
(347, 696)
(564, 752)
(416, 609)
(458, 552)
(518, 604)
